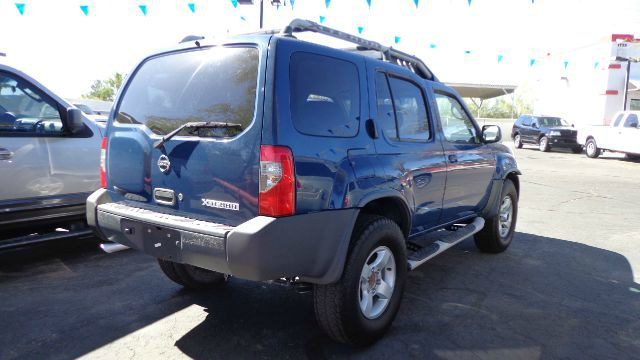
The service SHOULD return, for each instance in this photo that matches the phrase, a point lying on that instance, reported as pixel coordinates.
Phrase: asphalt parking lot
(568, 287)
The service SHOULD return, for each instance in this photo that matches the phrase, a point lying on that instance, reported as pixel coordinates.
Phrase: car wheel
(543, 144)
(192, 277)
(577, 150)
(517, 141)
(498, 231)
(591, 148)
(360, 307)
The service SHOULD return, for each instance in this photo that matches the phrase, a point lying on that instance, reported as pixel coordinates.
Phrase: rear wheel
(543, 144)
(517, 141)
(591, 148)
(498, 231)
(361, 306)
(192, 277)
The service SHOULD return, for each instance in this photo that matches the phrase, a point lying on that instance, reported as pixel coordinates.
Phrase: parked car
(96, 110)
(622, 135)
(49, 159)
(266, 157)
(546, 132)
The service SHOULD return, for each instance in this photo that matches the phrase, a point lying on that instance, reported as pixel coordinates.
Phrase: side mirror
(73, 121)
(491, 134)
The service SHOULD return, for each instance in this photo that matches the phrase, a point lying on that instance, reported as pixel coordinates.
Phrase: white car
(49, 158)
(622, 135)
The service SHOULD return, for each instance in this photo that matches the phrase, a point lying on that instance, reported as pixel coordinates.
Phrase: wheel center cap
(371, 282)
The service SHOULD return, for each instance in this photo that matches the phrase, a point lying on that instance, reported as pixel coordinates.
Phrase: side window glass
(325, 95)
(527, 121)
(632, 121)
(410, 110)
(24, 109)
(386, 119)
(457, 126)
(618, 119)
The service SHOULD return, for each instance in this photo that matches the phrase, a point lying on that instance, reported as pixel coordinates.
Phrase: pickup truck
(622, 135)
(270, 158)
(49, 161)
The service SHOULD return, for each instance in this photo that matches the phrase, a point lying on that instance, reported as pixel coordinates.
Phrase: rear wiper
(196, 125)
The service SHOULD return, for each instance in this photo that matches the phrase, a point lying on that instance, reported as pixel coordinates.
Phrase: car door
(409, 153)
(470, 163)
(629, 134)
(526, 130)
(40, 163)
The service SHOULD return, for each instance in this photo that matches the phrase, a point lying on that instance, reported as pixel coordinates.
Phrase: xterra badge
(221, 204)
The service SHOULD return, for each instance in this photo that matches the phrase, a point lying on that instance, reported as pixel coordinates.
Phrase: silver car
(49, 157)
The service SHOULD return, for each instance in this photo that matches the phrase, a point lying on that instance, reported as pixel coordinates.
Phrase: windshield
(551, 121)
(212, 84)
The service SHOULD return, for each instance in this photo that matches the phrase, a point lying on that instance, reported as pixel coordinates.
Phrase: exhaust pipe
(112, 247)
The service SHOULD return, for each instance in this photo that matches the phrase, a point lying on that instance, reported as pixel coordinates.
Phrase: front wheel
(591, 148)
(192, 277)
(361, 306)
(517, 141)
(498, 230)
(543, 144)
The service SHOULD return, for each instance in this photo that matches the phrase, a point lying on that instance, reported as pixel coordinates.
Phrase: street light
(273, 3)
(629, 60)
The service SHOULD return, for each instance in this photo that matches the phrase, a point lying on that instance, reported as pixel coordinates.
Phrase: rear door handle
(5, 154)
(453, 159)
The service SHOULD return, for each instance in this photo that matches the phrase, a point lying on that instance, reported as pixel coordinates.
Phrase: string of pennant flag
(143, 9)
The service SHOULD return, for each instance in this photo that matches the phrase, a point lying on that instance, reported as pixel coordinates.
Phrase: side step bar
(439, 246)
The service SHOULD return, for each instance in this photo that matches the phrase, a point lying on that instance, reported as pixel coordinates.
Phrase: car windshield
(551, 121)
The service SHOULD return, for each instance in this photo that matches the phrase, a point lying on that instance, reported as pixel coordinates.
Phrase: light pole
(626, 83)
(273, 2)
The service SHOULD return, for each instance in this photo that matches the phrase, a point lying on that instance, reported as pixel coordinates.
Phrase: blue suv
(266, 157)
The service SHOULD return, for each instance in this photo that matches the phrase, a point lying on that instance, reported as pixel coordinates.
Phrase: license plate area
(154, 240)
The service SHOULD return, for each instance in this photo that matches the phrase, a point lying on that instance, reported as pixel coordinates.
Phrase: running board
(439, 246)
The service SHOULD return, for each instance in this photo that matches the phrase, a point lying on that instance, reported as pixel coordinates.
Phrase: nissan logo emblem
(164, 164)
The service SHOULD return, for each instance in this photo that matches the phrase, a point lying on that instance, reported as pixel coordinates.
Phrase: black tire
(192, 277)
(577, 150)
(337, 305)
(591, 148)
(517, 141)
(490, 239)
(543, 144)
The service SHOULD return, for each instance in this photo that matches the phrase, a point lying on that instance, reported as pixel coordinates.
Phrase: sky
(485, 41)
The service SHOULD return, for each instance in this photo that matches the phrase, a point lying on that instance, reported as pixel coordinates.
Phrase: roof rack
(388, 53)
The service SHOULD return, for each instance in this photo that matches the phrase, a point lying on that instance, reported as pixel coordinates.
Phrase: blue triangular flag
(397, 39)
(327, 3)
(416, 2)
(235, 3)
(595, 66)
(467, 52)
(499, 58)
(532, 61)
(321, 19)
(277, 7)
(566, 63)
(192, 7)
(293, 2)
(85, 9)
(432, 46)
(469, 2)
(143, 8)
(20, 7)
(360, 28)
(243, 18)
(369, 3)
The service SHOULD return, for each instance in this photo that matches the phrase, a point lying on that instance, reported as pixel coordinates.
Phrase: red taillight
(277, 181)
(103, 156)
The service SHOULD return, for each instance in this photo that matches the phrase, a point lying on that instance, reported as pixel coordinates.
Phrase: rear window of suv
(325, 95)
(213, 84)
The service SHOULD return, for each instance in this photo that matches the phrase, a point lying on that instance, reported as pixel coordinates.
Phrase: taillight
(103, 156)
(277, 181)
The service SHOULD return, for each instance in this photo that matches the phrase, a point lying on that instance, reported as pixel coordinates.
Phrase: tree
(501, 108)
(105, 89)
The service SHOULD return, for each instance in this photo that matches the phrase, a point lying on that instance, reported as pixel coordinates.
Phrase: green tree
(105, 89)
(501, 108)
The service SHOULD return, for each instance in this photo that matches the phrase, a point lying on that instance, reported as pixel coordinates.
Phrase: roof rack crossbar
(388, 53)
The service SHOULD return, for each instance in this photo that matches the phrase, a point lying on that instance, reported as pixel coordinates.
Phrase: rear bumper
(310, 246)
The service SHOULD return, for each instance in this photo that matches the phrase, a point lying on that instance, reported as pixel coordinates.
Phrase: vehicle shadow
(544, 297)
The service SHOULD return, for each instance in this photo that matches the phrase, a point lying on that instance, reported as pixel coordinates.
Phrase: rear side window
(402, 114)
(618, 119)
(325, 95)
(213, 84)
